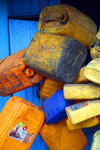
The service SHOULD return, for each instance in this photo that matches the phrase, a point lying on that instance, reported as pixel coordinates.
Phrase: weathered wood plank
(4, 46)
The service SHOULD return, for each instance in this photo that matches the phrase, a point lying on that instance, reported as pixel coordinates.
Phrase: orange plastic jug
(67, 20)
(15, 75)
(20, 122)
(49, 87)
(84, 124)
(58, 137)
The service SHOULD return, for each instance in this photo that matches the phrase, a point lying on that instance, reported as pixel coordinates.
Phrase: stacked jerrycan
(68, 21)
(15, 75)
(84, 92)
(90, 94)
(58, 51)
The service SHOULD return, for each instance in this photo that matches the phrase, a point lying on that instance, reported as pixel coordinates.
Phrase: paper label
(20, 133)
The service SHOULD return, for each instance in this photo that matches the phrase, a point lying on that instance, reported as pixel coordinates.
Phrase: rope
(42, 20)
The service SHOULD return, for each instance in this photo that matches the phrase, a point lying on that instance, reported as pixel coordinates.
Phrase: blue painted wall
(30, 8)
(4, 44)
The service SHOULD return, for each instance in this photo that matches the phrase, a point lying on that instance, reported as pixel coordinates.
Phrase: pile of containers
(57, 54)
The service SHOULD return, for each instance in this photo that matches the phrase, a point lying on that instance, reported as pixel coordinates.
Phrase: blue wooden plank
(49, 3)
(21, 33)
(10, 7)
(53, 2)
(4, 46)
(36, 6)
(17, 6)
(45, 3)
(26, 8)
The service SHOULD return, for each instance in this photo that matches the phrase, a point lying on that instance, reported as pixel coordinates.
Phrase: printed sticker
(78, 106)
(20, 133)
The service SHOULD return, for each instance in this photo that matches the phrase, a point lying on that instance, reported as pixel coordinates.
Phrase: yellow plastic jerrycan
(96, 141)
(84, 124)
(66, 20)
(20, 122)
(80, 77)
(55, 56)
(98, 35)
(58, 137)
(92, 70)
(95, 51)
(81, 91)
(82, 111)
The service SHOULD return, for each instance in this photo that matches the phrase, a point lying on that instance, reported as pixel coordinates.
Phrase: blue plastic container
(54, 107)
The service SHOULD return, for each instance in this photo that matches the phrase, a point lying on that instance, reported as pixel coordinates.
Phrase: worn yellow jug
(55, 56)
(96, 141)
(82, 111)
(84, 124)
(67, 20)
(92, 71)
(98, 35)
(81, 91)
(95, 51)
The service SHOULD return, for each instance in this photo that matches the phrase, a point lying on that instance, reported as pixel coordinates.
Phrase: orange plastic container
(58, 137)
(15, 75)
(20, 122)
(84, 124)
(68, 21)
(49, 87)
